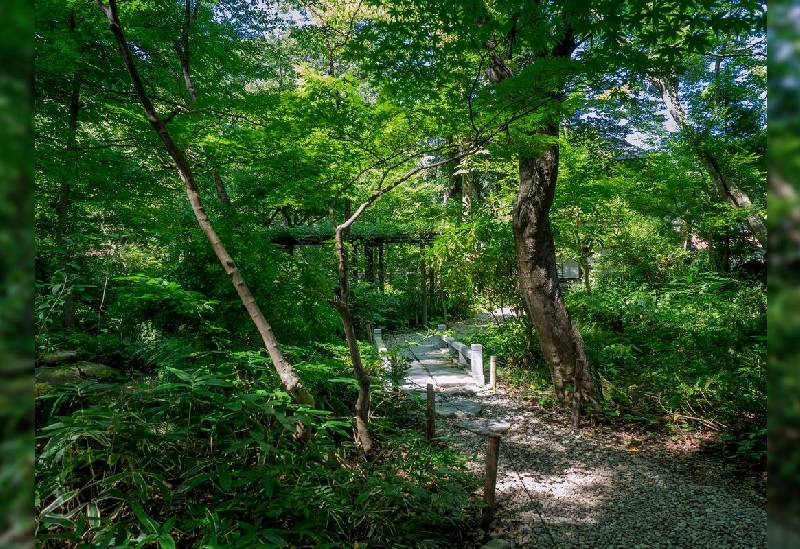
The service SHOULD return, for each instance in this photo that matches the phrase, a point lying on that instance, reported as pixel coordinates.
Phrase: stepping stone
(461, 409)
(459, 391)
(485, 426)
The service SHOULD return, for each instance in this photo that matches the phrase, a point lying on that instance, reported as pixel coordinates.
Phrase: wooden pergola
(372, 238)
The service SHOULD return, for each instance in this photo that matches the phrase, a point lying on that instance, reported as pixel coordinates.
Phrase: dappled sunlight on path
(557, 488)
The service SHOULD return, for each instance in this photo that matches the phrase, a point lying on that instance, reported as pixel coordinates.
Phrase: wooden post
(493, 372)
(430, 431)
(576, 395)
(490, 482)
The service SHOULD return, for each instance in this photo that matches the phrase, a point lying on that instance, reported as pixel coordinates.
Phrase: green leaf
(60, 520)
(224, 477)
(166, 542)
(93, 513)
(146, 522)
(274, 538)
(180, 374)
(238, 445)
(60, 500)
(190, 483)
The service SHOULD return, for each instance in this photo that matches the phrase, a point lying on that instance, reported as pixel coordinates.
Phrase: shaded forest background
(282, 125)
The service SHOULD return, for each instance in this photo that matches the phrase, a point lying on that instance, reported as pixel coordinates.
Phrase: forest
(231, 195)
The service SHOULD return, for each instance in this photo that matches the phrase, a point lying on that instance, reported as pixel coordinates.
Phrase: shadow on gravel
(593, 496)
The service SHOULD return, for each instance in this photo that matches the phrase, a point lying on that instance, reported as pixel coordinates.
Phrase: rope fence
(493, 451)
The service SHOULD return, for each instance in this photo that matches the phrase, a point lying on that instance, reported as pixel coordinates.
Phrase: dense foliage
(292, 120)
(784, 459)
(207, 457)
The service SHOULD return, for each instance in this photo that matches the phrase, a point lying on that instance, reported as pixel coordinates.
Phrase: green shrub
(209, 458)
(691, 348)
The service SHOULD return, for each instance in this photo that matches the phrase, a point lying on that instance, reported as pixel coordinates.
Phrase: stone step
(460, 409)
(485, 426)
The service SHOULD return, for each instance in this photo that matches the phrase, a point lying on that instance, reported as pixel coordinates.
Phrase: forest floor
(604, 486)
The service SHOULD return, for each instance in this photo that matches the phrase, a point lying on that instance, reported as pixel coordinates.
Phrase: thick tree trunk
(725, 187)
(559, 338)
(561, 343)
(363, 438)
(289, 379)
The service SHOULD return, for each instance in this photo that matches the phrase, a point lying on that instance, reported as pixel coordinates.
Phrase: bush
(691, 349)
(209, 458)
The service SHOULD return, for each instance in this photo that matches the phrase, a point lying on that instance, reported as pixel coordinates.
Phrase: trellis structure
(373, 238)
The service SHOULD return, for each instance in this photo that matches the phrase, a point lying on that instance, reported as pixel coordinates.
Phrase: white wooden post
(493, 372)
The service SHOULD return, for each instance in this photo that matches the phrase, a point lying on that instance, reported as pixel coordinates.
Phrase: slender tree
(289, 378)
(726, 187)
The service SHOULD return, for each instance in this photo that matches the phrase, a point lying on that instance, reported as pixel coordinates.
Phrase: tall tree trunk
(289, 379)
(181, 46)
(219, 186)
(453, 186)
(182, 49)
(355, 263)
(725, 187)
(363, 438)
(431, 287)
(69, 174)
(369, 259)
(381, 268)
(583, 254)
(560, 341)
(444, 301)
(469, 193)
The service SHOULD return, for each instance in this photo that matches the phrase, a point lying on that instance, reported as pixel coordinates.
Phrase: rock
(58, 357)
(74, 373)
(497, 544)
(460, 409)
(485, 426)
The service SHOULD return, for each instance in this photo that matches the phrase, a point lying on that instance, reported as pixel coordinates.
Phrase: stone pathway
(585, 490)
(452, 384)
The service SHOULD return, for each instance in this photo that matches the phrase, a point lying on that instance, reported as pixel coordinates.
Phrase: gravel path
(599, 489)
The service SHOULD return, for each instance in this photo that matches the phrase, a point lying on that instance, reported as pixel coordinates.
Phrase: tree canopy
(232, 195)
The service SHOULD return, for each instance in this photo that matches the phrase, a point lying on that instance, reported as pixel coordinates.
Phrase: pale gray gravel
(594, 495)
(558, 489)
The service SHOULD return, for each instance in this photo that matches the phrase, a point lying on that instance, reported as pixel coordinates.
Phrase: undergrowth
(684, 355)
(209, 459)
